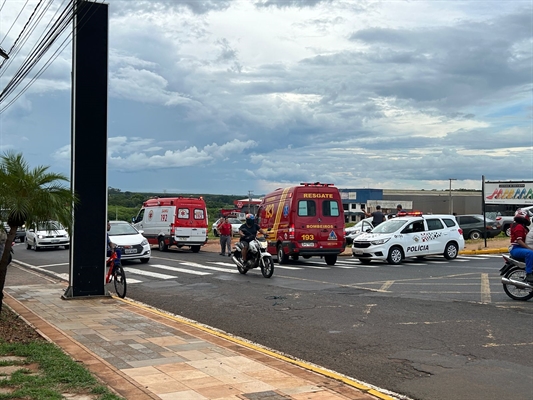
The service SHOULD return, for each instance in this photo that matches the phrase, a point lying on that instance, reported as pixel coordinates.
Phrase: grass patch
(56, 374)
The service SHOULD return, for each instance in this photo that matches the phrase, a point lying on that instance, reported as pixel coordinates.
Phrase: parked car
(21, 232)
(47, 234)
(473, 226)
(365, 225)
(410, 236)
(235, 225)
(132, 244)
(504, 224)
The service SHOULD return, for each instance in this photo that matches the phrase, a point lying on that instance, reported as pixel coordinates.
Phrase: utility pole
(250, 192)
(450, 195)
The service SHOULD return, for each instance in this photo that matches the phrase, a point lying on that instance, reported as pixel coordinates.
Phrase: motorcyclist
(248, 232)
(519, 248)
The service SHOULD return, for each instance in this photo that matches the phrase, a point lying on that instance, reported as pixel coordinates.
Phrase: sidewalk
(142, 353)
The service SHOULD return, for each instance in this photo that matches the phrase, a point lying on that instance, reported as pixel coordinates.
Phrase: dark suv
(473, 227)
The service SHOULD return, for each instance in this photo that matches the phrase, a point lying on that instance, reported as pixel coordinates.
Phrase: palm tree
(29, 196)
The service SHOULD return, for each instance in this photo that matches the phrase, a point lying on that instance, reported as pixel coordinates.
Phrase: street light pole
(450, 194)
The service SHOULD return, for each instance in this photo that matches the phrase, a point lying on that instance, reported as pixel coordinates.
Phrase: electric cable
(66, 17)
(15, 50)
(9, 30)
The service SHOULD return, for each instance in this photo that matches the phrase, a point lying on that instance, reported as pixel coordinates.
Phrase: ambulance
(173, 221)
(305, 220)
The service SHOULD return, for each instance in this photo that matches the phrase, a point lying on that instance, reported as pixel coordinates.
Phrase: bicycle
(116, 272)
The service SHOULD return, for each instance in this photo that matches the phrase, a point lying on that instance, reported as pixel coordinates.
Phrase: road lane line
(485, 289)
(385, 286)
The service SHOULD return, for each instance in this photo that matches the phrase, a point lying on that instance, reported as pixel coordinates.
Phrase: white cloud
(251, 95)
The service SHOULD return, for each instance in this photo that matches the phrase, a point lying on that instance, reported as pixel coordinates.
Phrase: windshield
(50, 226)
(389, 226)
(235, 221)
(122, 229)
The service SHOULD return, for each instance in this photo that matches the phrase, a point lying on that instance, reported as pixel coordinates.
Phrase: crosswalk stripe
(472, 258)
(286, 267)
(231, 271)
(176, 269)
(148, 273)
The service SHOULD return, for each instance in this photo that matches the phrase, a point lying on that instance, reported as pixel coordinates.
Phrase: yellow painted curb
(485, 251)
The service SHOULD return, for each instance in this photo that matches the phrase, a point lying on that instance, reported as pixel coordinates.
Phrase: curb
(485, 251)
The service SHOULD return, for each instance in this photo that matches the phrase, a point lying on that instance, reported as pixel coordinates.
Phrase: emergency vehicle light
(410, 213)
(316, 184)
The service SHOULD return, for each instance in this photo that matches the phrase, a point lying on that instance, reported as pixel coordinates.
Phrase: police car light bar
(410, 213)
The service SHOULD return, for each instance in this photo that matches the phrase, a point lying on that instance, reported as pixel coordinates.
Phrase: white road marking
(176, 269)
(52, 265)
(231, 271)
(148, 273)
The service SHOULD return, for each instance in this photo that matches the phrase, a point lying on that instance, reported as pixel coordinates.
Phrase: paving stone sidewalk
(142, 353)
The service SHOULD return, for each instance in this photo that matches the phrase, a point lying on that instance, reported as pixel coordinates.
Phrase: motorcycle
(513, 275)
(257, 255)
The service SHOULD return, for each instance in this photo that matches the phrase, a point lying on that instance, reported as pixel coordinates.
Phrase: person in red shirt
(519, 248)
(224, 227)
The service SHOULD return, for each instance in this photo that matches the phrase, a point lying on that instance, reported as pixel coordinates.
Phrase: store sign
(509, 192)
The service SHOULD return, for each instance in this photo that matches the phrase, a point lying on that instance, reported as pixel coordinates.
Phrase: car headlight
(144, 242)
(379, 241)
(40, 236)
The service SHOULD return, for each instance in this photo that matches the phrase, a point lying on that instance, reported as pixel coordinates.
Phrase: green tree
(29, 196)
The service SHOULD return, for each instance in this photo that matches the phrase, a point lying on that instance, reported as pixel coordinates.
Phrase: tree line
(125, 205)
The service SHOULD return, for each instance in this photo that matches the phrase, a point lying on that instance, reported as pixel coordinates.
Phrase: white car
(410, 236)
(132, 244)
(235, 225)
(47, 234)
(363, 226)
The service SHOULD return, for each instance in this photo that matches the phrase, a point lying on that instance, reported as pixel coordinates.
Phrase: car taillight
(291, 231)
(460, 231)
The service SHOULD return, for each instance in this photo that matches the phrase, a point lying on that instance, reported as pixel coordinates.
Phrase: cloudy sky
(231, 96)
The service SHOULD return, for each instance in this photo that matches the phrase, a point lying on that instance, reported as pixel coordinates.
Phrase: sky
(239, 96)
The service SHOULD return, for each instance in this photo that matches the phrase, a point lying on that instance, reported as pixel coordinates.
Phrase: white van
(174, 221)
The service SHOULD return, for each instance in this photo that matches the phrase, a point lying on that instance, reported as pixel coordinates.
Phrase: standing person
(224, 228)
(399, 209)
(519, 248)
(377, 216)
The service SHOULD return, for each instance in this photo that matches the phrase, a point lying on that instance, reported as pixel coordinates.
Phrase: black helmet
(250, 219)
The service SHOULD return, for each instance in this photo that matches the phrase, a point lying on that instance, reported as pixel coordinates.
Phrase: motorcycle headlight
(379, 241)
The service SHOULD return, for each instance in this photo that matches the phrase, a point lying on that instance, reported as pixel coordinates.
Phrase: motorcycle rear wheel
(517, 274)
(267, 267)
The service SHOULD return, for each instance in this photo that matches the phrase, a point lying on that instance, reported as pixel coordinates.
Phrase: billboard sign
(509, 192)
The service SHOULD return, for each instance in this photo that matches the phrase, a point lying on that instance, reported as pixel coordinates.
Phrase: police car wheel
(395, 256)
(451, 250)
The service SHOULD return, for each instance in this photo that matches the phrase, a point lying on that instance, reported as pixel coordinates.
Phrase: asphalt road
(431, 329)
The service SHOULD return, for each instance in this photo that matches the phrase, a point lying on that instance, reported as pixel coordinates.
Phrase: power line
(44, 45)
(9, 30)
(15, 50)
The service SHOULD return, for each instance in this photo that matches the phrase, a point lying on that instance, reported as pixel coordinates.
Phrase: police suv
(410, 235)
